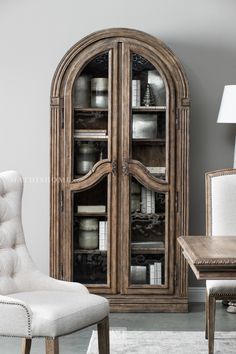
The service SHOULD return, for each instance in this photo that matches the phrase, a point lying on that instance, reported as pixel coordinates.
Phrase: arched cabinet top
(143, 39)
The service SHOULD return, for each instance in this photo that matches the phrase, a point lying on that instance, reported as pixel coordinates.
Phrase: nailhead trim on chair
(27, 313)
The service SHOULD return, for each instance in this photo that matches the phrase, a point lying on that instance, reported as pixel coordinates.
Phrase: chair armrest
(15, 318)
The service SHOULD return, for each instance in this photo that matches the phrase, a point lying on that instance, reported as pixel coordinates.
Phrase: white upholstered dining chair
(33, 304)
(220, 221)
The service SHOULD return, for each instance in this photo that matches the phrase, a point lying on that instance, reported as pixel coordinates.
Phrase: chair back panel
(14, 257)
(221, 203)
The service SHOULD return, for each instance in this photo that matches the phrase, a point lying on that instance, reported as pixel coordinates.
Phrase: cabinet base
(145, 304)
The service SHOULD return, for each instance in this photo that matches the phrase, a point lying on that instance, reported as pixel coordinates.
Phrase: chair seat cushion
(58, 313)
(221, 287)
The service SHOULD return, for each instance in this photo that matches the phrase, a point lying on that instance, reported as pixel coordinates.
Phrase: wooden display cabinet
(119, 170)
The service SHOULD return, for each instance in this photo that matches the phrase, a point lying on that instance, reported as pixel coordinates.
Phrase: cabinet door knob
(125, 167)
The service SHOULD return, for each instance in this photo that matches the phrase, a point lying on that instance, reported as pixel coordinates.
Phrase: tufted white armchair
(220, 221)
(33, 304)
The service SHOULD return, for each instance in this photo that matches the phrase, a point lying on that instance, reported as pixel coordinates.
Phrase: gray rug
(154, 342)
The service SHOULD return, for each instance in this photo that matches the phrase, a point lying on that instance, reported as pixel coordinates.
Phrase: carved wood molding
(185, 101)
(125, 167)
(143, 38)
(216, 261)
(99, 170)
(145, 177)
(55, 101)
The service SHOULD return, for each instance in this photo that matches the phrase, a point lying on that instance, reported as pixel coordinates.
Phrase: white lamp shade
(227, 112)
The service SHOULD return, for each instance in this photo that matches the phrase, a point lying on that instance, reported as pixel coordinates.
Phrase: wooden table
(210, 257)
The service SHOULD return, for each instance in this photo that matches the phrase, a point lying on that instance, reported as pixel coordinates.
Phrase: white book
(151, 274)
(144, 200)
(149, 201)
(156, 170)
(91, 209)
(153, 202)
(136, 93)
(105, 235)
(102, 235)
(158, 273)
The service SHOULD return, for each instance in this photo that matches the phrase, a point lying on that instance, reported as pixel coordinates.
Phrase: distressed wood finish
(103, 336)
(52, 345)
(210, 257)
(119, 167)
(26, 345)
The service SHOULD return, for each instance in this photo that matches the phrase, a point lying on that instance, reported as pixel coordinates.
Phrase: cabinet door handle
(125, 167)
(114, 167)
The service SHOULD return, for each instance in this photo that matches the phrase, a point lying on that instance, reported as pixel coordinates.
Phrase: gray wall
(34, 35)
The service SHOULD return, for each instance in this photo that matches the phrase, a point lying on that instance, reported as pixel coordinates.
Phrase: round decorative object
(88, 233)
(86, 158)
(99, 92)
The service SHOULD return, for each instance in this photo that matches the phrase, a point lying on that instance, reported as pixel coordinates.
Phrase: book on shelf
(89, 209)
(155, 273)
(103, 235)
(147, 201)
(156, 170)
(136, 93)
(80, 133)
(148, 244)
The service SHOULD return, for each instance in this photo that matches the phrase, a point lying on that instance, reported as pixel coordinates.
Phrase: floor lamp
(227, 114)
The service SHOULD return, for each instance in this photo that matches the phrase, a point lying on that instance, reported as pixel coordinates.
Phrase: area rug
(153, 342)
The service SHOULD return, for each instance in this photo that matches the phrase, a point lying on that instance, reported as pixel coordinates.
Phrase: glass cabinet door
(148, 96)
(90, 108)
(91, 234)
(147, 178)
(93, 183)
(148, 235)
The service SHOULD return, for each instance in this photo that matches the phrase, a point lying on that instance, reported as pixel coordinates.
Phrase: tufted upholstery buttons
(11, 232)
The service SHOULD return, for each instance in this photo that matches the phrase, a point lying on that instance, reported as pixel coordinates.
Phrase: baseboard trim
(196, 294)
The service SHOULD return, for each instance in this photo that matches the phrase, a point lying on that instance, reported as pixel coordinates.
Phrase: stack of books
(136, 93)
(103, 235)
(90, 133)
(157, 170)
(147, 201)
(91, 209)
(155, 273)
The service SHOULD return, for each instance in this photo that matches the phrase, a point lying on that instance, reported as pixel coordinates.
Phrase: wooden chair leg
(103, 337)
(26, 345)
(211, 324)
(52, 346)
(206, 314)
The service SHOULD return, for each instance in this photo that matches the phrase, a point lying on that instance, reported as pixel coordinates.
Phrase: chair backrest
(14, 257)
(221, 203)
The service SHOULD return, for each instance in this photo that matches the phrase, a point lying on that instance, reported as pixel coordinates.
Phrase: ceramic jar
(82, 91)
(99, 92)
(86, 157)
(144, 126)
(88, 233)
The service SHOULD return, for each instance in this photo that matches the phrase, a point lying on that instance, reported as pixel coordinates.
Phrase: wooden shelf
(147, 215)
(146, 250)
(96, 251)
(80, 109)
(149, 109)
(90, 214)
(91, 138)
(145, 141)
